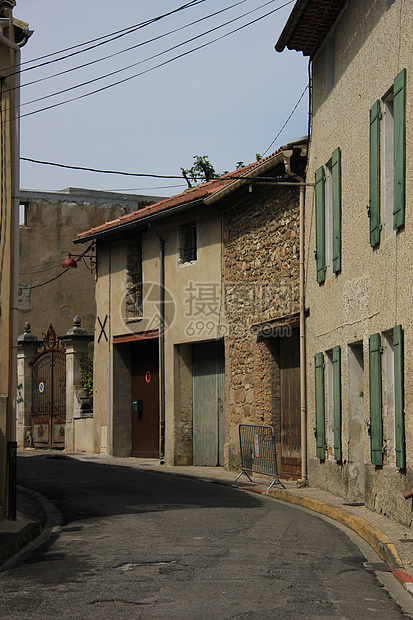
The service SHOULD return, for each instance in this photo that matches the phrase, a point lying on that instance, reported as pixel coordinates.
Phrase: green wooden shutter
(319, 406)
(376, 426)
(337, 402)
(336, 173)
(374, 208)
(399, 112)
(399, 396)
(320, 224)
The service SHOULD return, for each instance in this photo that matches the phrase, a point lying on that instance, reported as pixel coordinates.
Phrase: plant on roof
(200, 172)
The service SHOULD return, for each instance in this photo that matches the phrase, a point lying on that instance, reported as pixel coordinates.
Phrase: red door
(145, 399)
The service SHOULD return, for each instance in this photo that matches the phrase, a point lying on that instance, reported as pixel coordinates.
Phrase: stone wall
(261, 275)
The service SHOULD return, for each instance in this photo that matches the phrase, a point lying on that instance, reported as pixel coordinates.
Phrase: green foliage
(201, 171)
(86, 377)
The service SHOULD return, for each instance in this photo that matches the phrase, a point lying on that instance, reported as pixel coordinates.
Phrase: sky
(227, 100)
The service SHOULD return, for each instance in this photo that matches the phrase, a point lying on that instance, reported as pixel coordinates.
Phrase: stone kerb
(27, 346)
(78, 407)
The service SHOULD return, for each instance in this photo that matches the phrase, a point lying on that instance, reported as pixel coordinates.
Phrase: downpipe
(161, 345)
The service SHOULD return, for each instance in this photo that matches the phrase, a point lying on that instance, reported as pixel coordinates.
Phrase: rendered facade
(48, 223)
(359, 225)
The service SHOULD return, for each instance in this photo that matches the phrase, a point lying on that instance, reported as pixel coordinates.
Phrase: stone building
(261, 275)
(360, 225)
(13, 35)
(173, 340)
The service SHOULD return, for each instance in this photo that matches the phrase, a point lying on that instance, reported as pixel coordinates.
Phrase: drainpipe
(303, 408)
(161, 343)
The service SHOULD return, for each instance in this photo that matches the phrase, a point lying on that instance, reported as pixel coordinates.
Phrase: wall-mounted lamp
(70, 263)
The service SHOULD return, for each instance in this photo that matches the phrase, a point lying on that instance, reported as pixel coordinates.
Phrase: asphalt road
(135, 544)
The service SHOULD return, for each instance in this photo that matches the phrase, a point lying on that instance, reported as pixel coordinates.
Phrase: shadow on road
(83, 490)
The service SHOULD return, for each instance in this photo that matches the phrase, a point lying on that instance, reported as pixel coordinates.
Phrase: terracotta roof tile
(187, 197)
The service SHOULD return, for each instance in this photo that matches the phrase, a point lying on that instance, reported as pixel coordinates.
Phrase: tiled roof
(309, 21)
(188, 197)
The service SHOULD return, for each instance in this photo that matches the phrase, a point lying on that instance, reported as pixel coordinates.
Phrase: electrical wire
(59, 275)
(129, 174)
(113, 36)
(151, 68)
(140, 62)
(128, 49)
(286, 122)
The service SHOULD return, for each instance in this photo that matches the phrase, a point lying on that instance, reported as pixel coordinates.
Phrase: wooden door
(145, 399)
(208, 403)
(290, 406)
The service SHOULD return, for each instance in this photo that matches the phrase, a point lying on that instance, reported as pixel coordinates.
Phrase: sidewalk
(391, 540)
(30, 521)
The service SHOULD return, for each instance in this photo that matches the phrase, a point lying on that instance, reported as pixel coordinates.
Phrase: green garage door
(208, 403)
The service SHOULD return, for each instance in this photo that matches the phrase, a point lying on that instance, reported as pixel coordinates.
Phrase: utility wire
(59, 275)
(140, 62)
(113, 36)
(128, 174)
(128, 49)
(151, 68)
(286, 122)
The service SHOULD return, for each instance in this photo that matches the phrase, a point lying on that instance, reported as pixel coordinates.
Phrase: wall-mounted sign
(148, 377)
(41, 387)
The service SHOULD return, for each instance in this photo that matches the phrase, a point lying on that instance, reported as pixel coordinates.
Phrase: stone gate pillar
(27, 346)
(79, 422)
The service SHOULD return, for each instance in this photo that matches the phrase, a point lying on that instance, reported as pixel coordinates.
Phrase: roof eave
(296, 15)
(256, 171)
(141, 222)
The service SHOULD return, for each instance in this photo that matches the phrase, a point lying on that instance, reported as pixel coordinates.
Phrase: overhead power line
(132, 47)
(110, 37)
(128, 174)
(140, 62)
(151, 68)
(287, 121)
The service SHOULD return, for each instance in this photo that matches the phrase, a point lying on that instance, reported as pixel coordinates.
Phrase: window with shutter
(399, 397)
(336, 174)
(320, 224)
(399, 96)
(337, 401)
(319, 406)
(376, 424)
(374, 206)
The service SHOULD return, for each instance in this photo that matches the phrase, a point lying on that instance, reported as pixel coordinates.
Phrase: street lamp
(70, 263)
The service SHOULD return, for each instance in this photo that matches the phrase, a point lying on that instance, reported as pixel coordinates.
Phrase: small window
(329, 405)
(387, 163)
(388, 399)
(187, 242)
(329, 216)
(134, 287)
(23, 214)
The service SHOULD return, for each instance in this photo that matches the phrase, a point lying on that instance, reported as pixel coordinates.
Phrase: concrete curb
(34, 534)
(371, 534)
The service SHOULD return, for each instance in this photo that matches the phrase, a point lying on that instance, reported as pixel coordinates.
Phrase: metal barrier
(258, 452)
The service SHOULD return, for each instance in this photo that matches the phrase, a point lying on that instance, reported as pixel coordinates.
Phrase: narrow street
(135, 544)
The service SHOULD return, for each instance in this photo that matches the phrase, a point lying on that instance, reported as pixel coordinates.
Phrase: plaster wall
(51, 223)
(372, 293)
(187, 321)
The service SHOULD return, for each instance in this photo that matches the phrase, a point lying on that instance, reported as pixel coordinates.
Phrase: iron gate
(49, 393)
